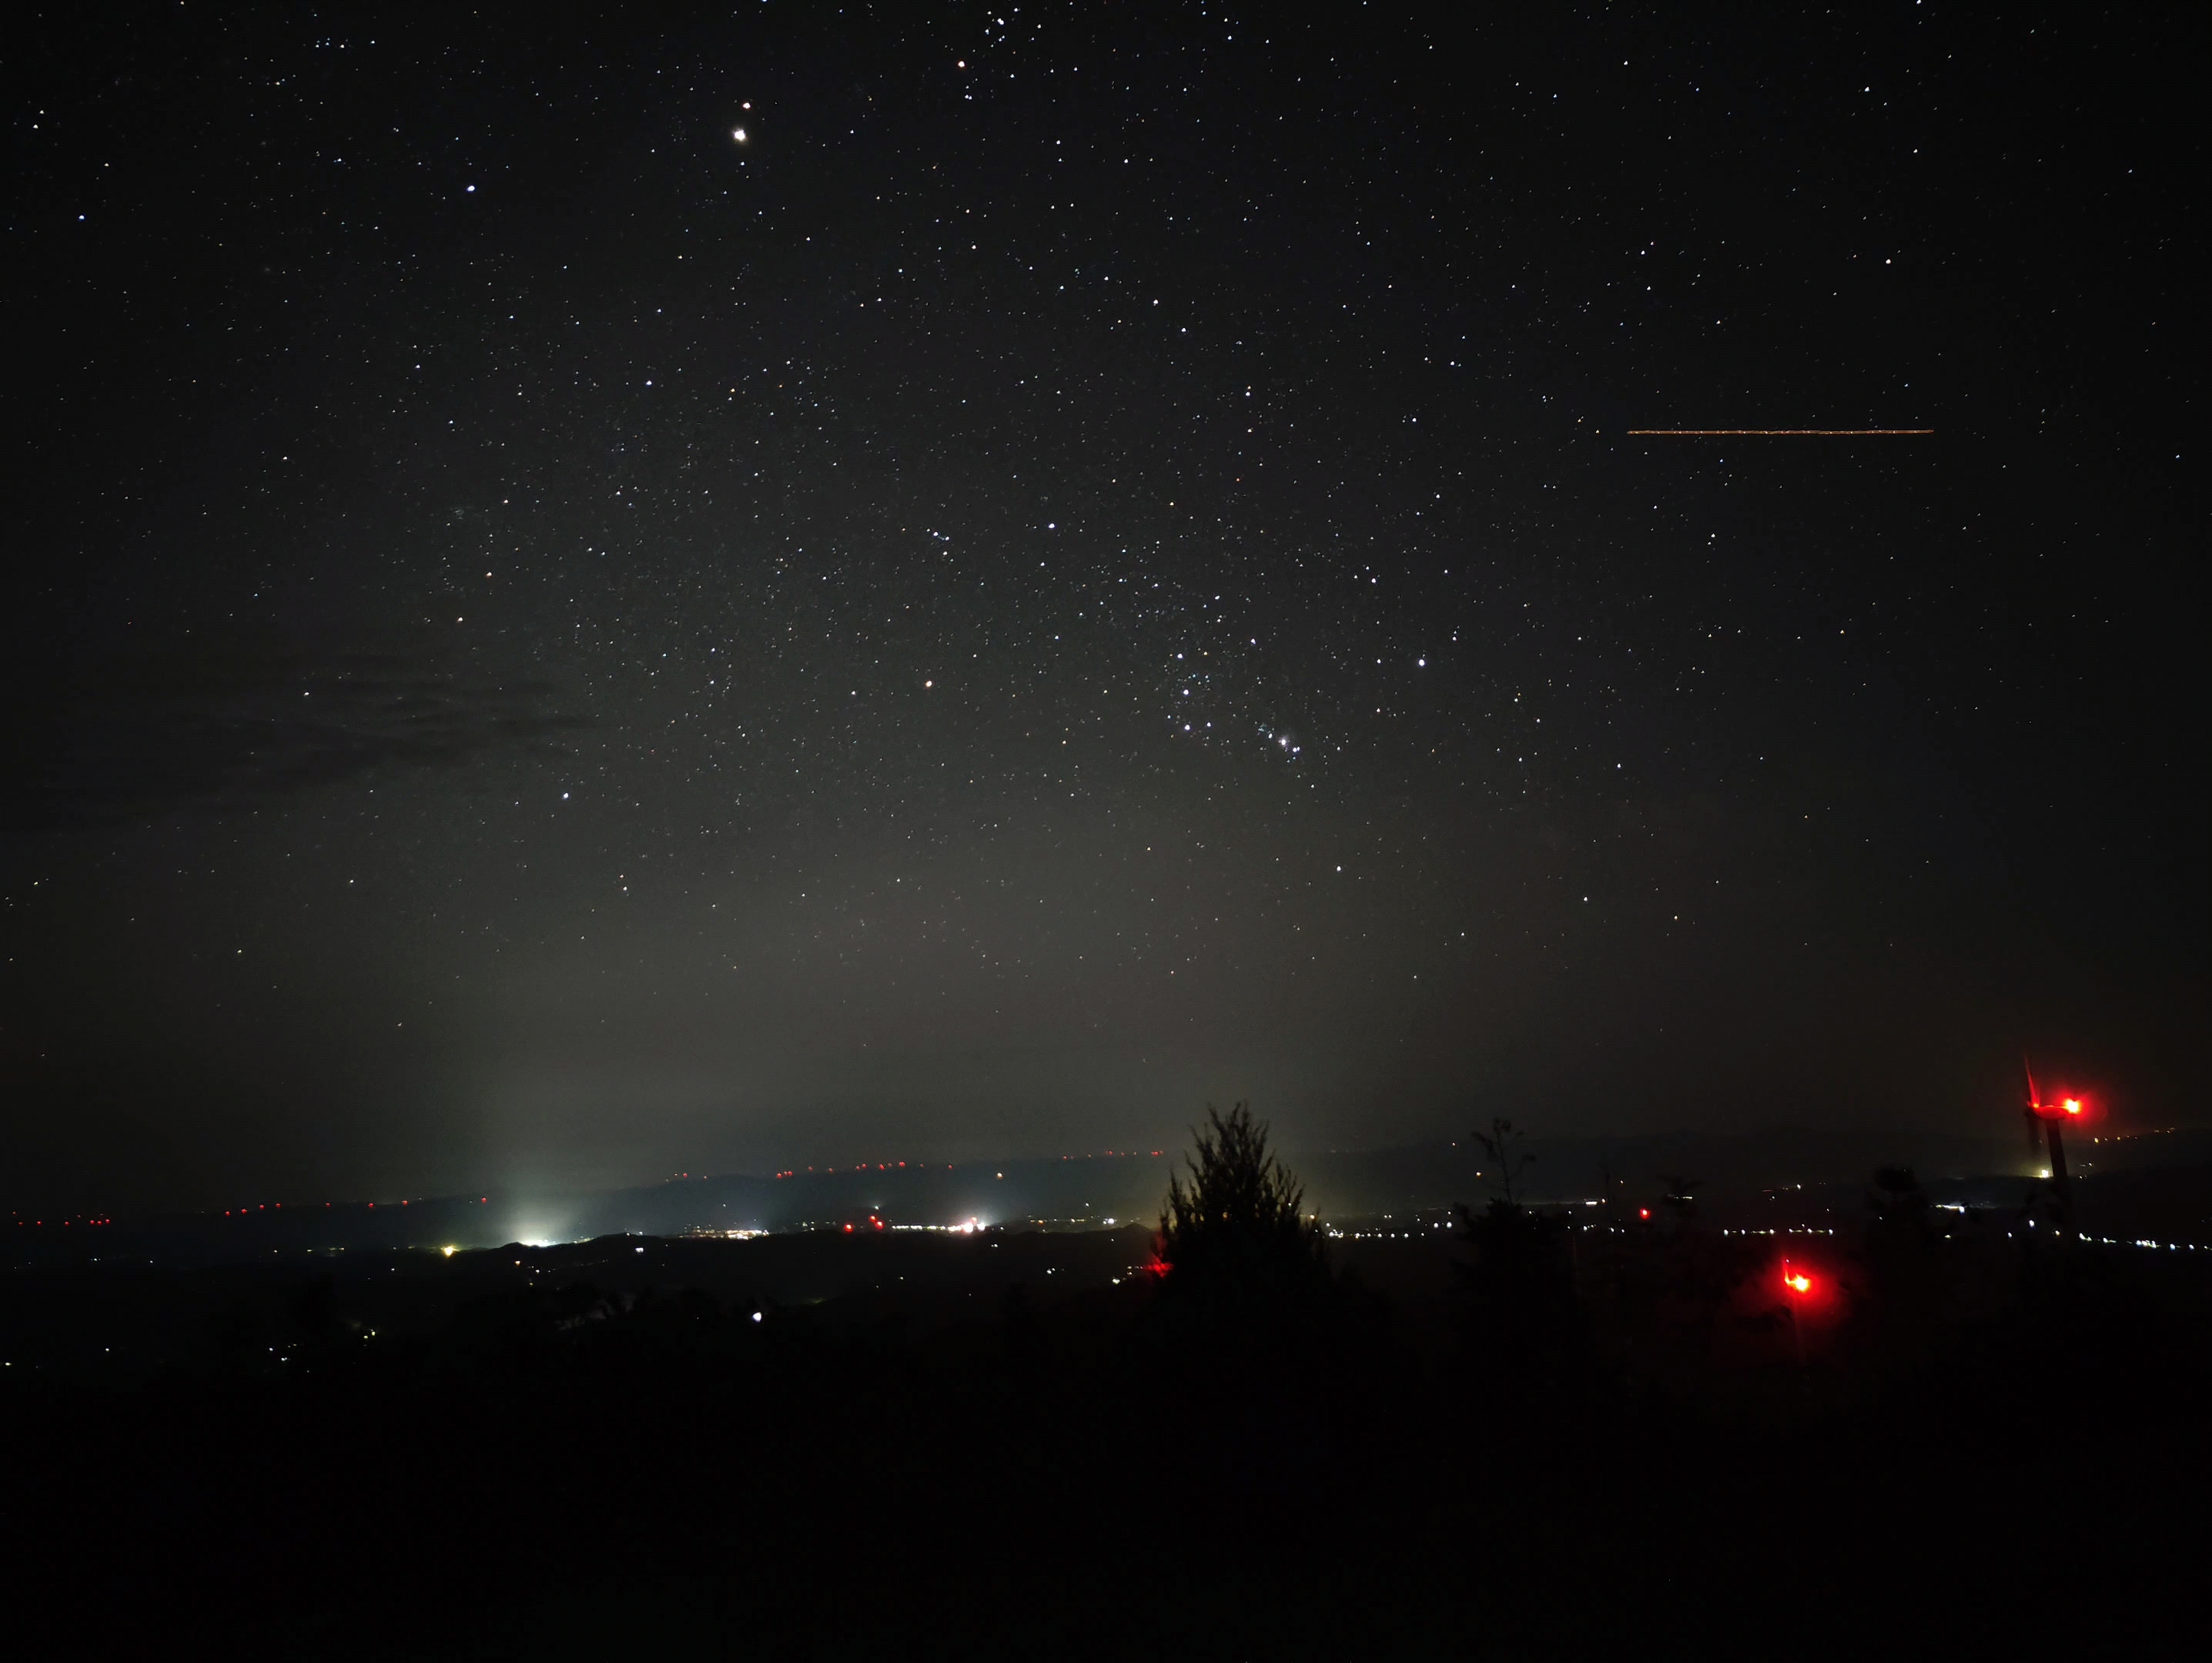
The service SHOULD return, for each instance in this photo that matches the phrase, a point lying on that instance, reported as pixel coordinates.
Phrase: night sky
(1089, 560)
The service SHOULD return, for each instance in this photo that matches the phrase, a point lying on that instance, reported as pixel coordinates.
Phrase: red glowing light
(1799, 1281)
(2067, 1105)
(1643, 1212)
(848, 1230)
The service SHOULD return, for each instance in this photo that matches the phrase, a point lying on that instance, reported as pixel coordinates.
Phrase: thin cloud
(233, 720)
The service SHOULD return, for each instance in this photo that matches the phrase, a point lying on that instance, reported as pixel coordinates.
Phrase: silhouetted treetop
(1238, 1216)
(1501, 1144)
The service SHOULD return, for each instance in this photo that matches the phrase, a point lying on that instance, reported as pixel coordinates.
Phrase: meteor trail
(1775, 432)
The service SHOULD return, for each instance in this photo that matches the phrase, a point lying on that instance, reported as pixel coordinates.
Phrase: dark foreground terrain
(1509, 1438)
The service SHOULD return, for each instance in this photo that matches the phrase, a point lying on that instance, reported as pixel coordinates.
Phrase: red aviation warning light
(2064, 1106)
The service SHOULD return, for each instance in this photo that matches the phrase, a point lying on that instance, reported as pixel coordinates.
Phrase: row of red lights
(894, 1166)
(880, 1165)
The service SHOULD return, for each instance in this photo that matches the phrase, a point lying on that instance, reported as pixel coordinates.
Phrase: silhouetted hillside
(924, 1442)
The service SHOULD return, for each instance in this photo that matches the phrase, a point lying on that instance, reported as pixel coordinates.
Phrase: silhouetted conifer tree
(1236, 1227)
(1502, 1145)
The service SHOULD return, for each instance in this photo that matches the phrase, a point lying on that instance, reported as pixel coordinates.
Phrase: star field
(684, 592)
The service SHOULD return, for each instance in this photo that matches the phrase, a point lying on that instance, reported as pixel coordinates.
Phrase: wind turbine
(2053, 1116)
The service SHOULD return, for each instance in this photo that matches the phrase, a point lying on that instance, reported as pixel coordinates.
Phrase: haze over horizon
(721, 594)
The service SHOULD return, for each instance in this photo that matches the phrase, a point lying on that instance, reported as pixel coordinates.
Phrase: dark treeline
(1629, 1434)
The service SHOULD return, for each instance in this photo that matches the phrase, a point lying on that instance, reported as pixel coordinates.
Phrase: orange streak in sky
(1775, 432)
